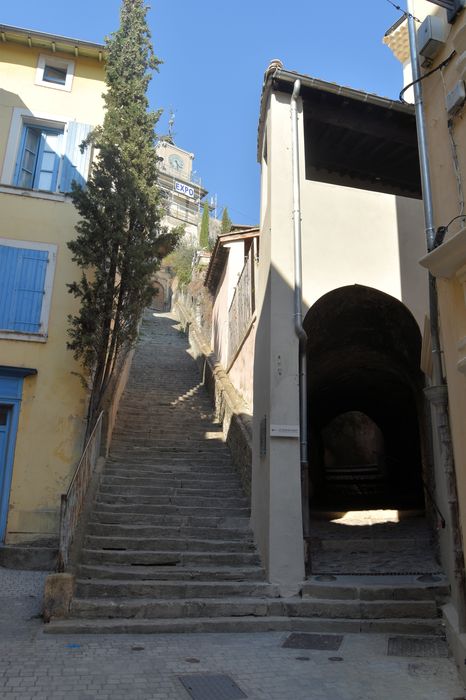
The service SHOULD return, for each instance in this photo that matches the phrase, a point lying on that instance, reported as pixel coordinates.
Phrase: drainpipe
(437, 394)
(298, 316)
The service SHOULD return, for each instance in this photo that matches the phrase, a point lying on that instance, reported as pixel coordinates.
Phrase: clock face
(176, 162)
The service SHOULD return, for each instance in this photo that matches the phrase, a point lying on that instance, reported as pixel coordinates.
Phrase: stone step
(182, 465)
(122, 471)
(244, 625)
(131, 518)
(173, 573)
(396, 588)
(148, 608)
(136, 530)
(164, 544)
(364, 544)
(108, 486)
(157, 558)
(170, 590)
(170, 510)
(177, 500)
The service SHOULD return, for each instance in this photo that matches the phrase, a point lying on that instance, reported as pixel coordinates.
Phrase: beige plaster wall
(349, 236)
(241, 372)
(17, 89)
(448, 189)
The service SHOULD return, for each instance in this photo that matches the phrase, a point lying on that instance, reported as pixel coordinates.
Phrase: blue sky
(215, 55)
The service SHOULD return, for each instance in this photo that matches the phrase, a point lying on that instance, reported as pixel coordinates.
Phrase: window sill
(35, 194)
(18, 335)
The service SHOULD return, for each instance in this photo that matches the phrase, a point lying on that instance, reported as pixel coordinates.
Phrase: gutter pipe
(298, 316)
(437, 394)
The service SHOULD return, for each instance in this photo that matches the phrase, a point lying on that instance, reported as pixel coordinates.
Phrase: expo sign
(184, 189)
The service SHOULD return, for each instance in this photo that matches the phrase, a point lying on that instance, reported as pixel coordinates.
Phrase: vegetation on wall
(119, 241)
(181, 262)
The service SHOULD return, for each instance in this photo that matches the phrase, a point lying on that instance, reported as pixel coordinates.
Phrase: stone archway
(158, 298)
(365, 402)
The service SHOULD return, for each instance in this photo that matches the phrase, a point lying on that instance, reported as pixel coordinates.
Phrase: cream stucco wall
(349, 236)
(447, 264)
(53, 407)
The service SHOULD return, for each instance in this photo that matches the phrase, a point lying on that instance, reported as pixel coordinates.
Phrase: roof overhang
(51, 42)
(220, 254)
(367, 139)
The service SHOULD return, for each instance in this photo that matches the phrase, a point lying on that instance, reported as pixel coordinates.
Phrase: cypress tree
(226, 222)
(204, 234)
(119, 240)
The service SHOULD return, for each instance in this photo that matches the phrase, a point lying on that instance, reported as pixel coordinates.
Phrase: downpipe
(298, 316)
(438, 393)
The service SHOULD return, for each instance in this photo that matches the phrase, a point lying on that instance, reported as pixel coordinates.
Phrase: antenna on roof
(171, 124)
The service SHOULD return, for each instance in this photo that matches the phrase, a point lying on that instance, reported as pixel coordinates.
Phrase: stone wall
(231, 411)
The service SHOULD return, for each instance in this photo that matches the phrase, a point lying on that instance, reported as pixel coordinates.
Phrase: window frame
(42, 335)
(19, 119)
(54, 62)
(38, 157)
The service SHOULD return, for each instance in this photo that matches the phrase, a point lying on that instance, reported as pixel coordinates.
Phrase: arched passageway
(365, 402)
(158, 298)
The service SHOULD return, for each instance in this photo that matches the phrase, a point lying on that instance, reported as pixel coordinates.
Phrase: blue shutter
(22, 282)
(75, 163)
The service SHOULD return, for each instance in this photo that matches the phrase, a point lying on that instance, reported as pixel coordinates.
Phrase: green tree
(204, 234)
(181, 261)
(226, 222)
(119, 241)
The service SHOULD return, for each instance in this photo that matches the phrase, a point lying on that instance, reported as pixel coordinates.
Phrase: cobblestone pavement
(45, 667)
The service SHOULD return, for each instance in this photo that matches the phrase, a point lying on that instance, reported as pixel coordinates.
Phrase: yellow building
(441, 44)
(50, 97)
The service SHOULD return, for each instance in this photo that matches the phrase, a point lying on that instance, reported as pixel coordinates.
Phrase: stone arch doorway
(158, 297)
(365, 402)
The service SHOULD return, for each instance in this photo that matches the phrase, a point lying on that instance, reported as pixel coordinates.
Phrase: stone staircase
(168, 546)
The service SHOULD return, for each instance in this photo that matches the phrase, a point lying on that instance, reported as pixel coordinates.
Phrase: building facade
(362, 299)
(50, 98)
(441, 42)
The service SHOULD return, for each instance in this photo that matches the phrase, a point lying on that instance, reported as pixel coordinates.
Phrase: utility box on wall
(431, 36)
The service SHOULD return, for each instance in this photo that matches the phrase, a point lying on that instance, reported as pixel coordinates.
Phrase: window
(54, 72)
(39, 158)
(26, 276)
(43, 153)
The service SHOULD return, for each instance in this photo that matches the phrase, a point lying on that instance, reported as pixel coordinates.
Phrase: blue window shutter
(75, 163)
(9, 258)
(22, 274)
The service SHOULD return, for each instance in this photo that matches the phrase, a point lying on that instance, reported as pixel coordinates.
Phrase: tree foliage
(204, 233)
(181, 261)
(119, 239)
(226, 222)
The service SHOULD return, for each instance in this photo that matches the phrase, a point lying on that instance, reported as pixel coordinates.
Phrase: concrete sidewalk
(34, 665)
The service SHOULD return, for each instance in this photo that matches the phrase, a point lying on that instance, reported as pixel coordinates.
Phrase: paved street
(33, 665)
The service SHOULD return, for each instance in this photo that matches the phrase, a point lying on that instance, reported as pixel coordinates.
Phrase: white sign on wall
(184, 189)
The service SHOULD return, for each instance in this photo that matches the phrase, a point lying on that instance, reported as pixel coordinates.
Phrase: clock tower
(181, 190)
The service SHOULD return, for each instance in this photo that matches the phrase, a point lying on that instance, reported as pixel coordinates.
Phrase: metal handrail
(72, 501)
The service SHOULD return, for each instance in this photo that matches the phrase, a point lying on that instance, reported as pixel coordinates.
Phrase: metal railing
(72, 501)
(242, 306)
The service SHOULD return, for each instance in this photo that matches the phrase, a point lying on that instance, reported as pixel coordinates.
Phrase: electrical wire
(405, 14)
(442, 230)
(426, 75)
(454, 153)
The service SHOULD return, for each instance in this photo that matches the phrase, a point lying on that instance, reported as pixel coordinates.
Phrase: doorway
(366, 436)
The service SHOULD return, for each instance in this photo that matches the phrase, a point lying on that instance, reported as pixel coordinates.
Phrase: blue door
(6, 413)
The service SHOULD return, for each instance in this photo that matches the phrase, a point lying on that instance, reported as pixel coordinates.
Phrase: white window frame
(20, 118)
(42, 335)
(55, 62)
